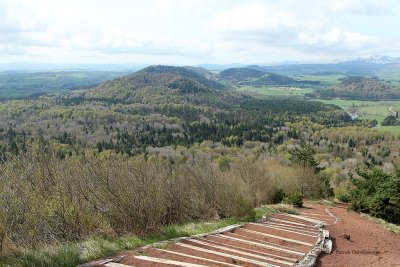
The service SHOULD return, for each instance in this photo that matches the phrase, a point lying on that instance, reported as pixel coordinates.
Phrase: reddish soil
(369, 244)
(281, 241)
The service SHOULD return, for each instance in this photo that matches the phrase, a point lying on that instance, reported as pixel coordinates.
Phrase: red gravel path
(369, 244)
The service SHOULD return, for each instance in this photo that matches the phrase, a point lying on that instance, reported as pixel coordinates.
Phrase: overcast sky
(196, 31)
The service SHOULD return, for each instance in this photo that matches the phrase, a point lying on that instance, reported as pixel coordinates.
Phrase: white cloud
(194, 30)
(290, 28)
(336, 39)
(361, 7)
(251, 18)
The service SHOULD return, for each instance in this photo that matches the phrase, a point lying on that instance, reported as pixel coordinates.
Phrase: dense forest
(254, 76)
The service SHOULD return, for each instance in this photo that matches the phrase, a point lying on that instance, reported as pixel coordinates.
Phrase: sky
(189, 32)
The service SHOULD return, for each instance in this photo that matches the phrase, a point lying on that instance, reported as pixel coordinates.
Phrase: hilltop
(199, 70)
(159, 106)
(271, 79)
(254, 75)
(159, 84)
(182, 72)
(255, 67)
(240, 74)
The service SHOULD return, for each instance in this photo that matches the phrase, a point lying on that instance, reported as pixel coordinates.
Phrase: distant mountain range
(294, 67)
(357, 65)
(36, 67)
(381, 60)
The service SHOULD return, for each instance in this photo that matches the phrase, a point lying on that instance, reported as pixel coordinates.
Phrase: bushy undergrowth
(378, 194)
(342, 194)
(46, 199)
(295, 199)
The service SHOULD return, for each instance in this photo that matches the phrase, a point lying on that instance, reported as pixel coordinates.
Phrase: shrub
(47, 199)
(342, 194)
(295, 199)
(378, 194)
(278, 196)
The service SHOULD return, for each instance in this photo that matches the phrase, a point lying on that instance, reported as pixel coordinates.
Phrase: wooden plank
(114, 264)
(195, 257)
(292, 227)
(264, 245)
(280, 237)
(219, 242)
(285, 230)
(292, 222)
(257, 256)
(259, 263)
(304, 218)
(165, 261)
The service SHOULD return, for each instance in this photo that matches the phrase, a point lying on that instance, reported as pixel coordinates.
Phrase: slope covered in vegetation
(271, 79)
(360, 88)
(257, 76)
(240, 74)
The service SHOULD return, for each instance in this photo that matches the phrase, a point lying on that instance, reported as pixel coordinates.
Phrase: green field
(273, 91)
(348, 103)
(377, 110)
(369, 110)
(390, 74)
(392, 129)
(325, 80)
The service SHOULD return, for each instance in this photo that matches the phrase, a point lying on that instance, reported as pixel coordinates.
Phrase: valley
(193, 145)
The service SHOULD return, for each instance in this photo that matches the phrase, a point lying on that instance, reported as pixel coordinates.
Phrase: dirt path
(392, 111)
(369, 245)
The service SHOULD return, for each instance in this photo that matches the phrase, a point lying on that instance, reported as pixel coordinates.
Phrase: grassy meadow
(369, 109)
(273, 91)
(325, 80)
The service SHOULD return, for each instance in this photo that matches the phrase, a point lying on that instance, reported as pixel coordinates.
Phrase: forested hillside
(240, 74)
(257, 76)
(356, 87)
(159, 106)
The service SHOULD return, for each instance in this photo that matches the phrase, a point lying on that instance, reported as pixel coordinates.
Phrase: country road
(392, 111)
